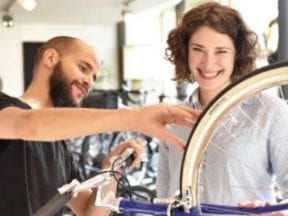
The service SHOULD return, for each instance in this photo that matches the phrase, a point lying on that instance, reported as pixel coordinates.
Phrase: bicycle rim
(211, 118)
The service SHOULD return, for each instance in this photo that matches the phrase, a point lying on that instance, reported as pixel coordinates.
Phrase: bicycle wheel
(220, 162)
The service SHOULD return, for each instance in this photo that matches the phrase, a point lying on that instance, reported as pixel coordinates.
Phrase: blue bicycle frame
(131, 208)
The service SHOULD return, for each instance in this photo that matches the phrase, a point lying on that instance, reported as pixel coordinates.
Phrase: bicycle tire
(276, 74)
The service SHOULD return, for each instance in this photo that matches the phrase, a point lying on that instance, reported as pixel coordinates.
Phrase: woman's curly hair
(223, 19)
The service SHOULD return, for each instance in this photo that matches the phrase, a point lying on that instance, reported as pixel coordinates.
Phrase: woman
(213, 46)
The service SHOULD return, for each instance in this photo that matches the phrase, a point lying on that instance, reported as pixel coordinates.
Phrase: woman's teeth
(210, 75)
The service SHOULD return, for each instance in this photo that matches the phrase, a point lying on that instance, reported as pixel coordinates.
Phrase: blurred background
(130, 36)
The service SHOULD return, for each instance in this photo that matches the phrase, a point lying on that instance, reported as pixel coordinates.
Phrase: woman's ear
(50, 58)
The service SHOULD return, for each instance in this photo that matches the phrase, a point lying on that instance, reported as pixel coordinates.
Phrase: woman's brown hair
(221, 18)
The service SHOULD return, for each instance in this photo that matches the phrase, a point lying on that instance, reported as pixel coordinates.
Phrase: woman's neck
(206, 96)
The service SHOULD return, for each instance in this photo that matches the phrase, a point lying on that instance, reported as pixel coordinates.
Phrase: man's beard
(60, 88)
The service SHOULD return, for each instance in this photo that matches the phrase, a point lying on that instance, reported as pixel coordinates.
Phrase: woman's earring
(191, 77)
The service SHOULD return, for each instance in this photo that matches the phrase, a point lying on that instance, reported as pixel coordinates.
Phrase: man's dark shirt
(31, 171)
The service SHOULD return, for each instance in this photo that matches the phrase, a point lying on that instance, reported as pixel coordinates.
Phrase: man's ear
(51, 57)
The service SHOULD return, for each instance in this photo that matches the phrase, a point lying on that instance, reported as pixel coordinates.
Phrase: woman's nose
(208, 60)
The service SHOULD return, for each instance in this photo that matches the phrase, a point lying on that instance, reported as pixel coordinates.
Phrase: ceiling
(101, 12)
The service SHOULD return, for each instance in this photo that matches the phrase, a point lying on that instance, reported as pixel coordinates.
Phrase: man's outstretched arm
(48, 124)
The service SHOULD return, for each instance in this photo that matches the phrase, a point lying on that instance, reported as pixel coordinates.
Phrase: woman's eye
(82, 68)
(221, 51)
(197, 49)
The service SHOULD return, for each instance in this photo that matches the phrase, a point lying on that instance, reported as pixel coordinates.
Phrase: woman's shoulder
(267, 101)
(272, 99)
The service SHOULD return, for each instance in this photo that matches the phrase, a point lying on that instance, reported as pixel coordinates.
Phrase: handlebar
(54, 205)
(67, 191)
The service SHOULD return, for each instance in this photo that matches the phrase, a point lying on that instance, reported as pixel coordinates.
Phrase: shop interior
(130, 37)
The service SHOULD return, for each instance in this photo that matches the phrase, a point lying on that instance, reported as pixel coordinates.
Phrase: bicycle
(188, 202)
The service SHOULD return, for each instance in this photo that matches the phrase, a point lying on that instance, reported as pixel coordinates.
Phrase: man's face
(60, 88)
(73, 76)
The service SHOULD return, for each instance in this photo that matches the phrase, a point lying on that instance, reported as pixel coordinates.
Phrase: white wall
(257, 14)
(103, 38)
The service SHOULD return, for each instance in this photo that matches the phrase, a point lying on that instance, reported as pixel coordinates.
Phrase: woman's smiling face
(211, 58)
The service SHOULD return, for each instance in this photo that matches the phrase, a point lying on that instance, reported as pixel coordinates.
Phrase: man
(34, 160)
